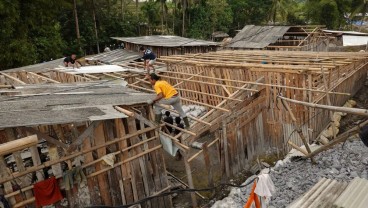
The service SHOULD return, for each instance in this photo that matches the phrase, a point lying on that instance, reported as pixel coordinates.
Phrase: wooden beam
(356, 111)
(71, 156)
(13, 78)
(18, 144)
(42, 77)
(83, 136)
(41, 135)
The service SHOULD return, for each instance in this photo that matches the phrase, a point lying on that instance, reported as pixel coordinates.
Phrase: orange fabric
(165, 88)
(253, 197)
(47, 192)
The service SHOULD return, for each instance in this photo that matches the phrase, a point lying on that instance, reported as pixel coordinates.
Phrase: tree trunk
(136, 7)
(76, 21)
(122, 9)
(174, 15)
(162, 16)
(183, 25)
(95, 25)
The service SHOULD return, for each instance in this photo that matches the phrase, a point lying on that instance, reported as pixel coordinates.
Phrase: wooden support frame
(50, 163)
(42, 77)
(13, 78)
(41, 135)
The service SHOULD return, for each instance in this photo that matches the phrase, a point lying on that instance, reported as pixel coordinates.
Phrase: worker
(167, 95)
(168, 119)
(149, 59)
(179, 125)
(71, 61)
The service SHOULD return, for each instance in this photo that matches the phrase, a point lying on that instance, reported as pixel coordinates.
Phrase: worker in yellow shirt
(167, 95)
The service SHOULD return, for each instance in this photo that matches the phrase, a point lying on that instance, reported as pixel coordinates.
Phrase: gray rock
(354, 174)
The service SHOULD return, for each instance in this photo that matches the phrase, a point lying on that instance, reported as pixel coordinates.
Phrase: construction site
(250, 111)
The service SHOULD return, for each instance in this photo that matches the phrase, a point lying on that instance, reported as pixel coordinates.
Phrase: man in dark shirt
(178, 124)
(70, 61)
(149, 59)
(168, 119)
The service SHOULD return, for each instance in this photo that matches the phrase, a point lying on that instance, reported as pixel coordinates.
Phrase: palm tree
(280, 7)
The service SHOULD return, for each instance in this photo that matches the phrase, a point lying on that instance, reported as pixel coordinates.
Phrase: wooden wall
(260, 123)
(139, 170)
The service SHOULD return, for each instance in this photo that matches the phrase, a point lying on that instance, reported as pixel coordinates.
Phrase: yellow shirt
(167, 90)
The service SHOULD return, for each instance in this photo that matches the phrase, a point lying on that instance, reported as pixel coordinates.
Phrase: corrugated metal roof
(355, 195)
(114, 56)
(66, 103)
(333, 193)
(252, 36)
(165, 41)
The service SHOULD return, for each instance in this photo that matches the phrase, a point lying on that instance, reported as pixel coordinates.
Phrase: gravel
(294, 178)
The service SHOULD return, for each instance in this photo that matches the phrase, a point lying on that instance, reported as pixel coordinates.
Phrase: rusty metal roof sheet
(166, 41)
(114, 56)
(333, 193)
(257, 37)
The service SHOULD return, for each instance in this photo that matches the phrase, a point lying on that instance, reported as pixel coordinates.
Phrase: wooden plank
(99, 139)
(138, 188)
(209, 167)
(126, 192)
(13, 78)
(92, 182)
(190, 179)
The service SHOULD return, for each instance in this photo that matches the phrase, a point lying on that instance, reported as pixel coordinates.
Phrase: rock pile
(294, 178)
(342, 163)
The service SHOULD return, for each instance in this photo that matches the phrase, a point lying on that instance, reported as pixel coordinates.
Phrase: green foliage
(151, 12)
(208, 17)
(40, 30)
(325, 12)
(249, 12)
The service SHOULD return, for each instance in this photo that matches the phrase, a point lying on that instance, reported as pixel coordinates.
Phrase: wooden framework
(240, 91)
(139, 167)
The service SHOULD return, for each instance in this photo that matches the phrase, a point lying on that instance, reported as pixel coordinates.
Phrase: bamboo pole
(261, 84)
(329, 103)
(18, 144)
(361, 112)
(6, 86)
(214, 84)
(183, 130)
(297, 148)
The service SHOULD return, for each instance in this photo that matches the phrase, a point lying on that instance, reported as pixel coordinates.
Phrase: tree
(324, 12)
(280, 8)
(249, 12)
(209, 16)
